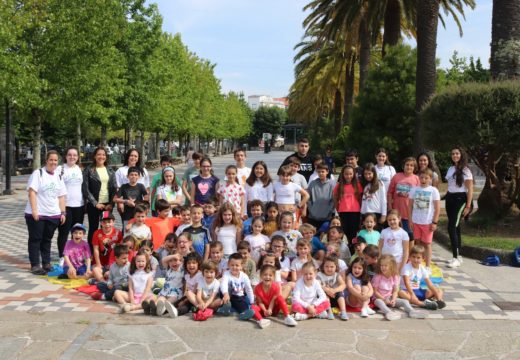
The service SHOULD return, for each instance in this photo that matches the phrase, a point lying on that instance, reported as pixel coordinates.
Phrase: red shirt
(108, 241)
(349, 202)
(264, 297)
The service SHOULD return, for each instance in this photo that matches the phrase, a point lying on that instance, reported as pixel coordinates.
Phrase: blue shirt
(317, 245)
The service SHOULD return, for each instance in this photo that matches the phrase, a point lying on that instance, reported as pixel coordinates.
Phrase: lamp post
(8, 149)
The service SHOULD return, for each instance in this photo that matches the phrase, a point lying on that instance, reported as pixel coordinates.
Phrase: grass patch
(490, 242)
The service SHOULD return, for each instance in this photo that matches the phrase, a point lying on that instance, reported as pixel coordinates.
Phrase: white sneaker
(370, 311)
(161, 308)
(172, 310)
(289, 321)
(323, 315)
(300, 316)
(392, 315)
(61, 262)
(364, 312)
(460, 259)
(264, 323)
(454, 263)
(127, 308)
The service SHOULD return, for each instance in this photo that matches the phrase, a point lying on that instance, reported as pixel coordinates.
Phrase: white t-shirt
(227, 235)
(414, 275)
(238, 286)
(393, 243)
(243, 174)
(385, 174)
(259, 192)
(342, 266)
(208, 289)
(308, 295)
(191, 282)
(257, 243)
(329, 280)
(139, 280)
(299, 179)
(73, 178)
(452, 180)
(291, 238)
(48, 188)
(286, 194)
(376, 202)
(122, 177)
(423, 207)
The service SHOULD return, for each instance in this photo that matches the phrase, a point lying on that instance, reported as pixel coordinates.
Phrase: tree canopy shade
(483, 119)
(268, 120)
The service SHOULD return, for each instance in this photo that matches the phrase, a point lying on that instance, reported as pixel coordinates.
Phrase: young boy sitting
(360, 244)
(371, 254)
(412, 275)
(103, 242)
(236, 289)
(117, 277)
(77, 255)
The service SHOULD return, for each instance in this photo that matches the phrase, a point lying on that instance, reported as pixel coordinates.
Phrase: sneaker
(370, 311)
(61, 262)
(224, 309)
(153, 308)
(92, 281)
(161, 308)
(343, 316)
(96, 295)
(430, 305)
(146, 307)
(440, 304)
(416, 314)
(323, 315)
(246, 315)
(47, 268)
(122, 308)
(264, 323)
(289, 321)
(460, 259)
(300, 316)
(392, 315)
(364, 312)
(61, 276)
(454, 263)
(127, 307)
(170, 309)
(38, 270)
(330, 316)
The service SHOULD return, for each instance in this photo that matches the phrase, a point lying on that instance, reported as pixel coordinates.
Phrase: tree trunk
(505, 39)
(392, 25)
(141, 145)
(77, 141)
(364, 54)
(337, 112)
(427, 21)
(37, 138)
(349, 94)
(103, 136)
(157, 145)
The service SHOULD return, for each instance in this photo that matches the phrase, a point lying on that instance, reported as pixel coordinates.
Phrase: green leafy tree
(268, 120)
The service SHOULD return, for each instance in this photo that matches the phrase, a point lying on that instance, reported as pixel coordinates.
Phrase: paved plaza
(41, 320)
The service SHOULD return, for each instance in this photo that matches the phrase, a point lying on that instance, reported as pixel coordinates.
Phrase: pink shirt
(385, 285)
(399, 189)
(349, 202)
(77, 253)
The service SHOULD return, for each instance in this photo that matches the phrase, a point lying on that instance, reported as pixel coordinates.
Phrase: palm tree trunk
(427, 21)
(505, 34)
(364, 54)
(392, 26)
(337, 112)
(349, 93)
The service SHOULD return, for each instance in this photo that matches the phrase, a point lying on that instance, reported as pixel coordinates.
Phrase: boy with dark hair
(352, 158)
(200, 235)
(129, 194)
(256, 208)
(185, 219)
(371, 254)
(306, 166)
(210, 209)
(117, 276)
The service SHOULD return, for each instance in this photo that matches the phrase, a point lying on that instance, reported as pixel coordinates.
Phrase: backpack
(491, 260)
(515, 257)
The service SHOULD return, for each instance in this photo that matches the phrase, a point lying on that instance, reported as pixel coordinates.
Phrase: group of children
(254, 246)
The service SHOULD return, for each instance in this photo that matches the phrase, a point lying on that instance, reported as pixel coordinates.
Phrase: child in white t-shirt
(285, 191)
(425, 206)
(394, 240)
(138, 228)
(208, 289)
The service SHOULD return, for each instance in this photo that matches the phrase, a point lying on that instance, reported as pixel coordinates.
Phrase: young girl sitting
(169, 189)
(216, 254)
(140, 283)
(359, 289)
(303, 249)
(271, 259)
(309, 299)
(227, 228)
(269, 300)
(333, 285)
(147, 246)
(335, 235)
(172, 289)
(258, 241)
(232, 192)
(386, 288)
(287, 231)
(192, 276)
(208, 288)
(394, 240)
(272, 218)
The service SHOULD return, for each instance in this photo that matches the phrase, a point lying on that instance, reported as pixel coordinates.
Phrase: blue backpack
(491, 260)
(515, 257)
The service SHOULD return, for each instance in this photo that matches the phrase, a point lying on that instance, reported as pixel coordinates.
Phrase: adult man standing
(306, 166)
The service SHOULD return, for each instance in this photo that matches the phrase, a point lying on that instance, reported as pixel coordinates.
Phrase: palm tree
(505, 39)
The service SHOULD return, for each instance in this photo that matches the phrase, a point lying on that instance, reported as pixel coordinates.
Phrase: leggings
(75, 215)
(455, 204)
(399, 303)
(297, 307)
(350, 223)
(279, 304)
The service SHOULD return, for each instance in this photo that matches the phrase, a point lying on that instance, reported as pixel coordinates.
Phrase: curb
(473, 252)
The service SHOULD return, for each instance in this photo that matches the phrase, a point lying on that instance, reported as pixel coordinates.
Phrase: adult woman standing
(99, 188)
(458, 200)
(132, 159)
(75, 207)
(44, 212)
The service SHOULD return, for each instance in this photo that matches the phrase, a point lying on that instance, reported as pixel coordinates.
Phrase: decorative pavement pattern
(466, 298)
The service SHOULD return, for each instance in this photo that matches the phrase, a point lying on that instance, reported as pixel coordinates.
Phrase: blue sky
(252, 41)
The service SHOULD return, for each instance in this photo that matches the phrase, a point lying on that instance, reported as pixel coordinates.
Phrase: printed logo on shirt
(421, 200)
(403, 190)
